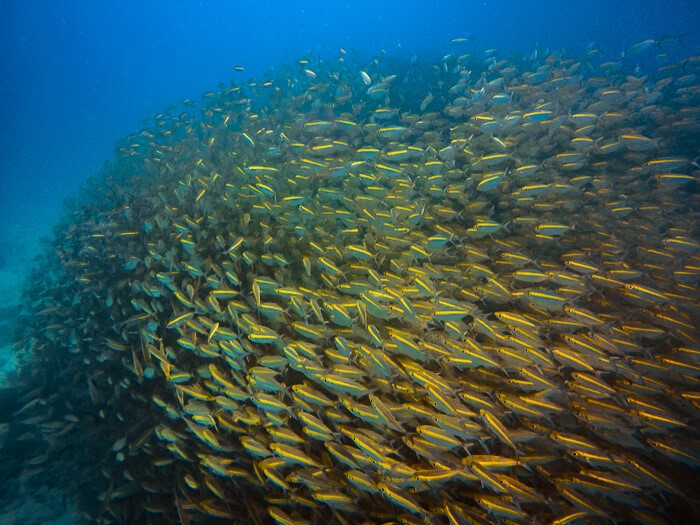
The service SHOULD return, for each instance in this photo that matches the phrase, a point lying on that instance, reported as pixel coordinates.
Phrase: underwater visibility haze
(326, 262)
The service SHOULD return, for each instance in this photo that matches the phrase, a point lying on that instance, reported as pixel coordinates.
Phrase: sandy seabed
(20, 243)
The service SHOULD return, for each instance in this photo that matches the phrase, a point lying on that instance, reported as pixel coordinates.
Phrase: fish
(456, 291)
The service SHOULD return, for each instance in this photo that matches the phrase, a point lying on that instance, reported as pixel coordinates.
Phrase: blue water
(77, 76)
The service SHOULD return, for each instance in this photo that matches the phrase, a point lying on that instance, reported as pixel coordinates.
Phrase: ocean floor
(20, 243)
(41, 509)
